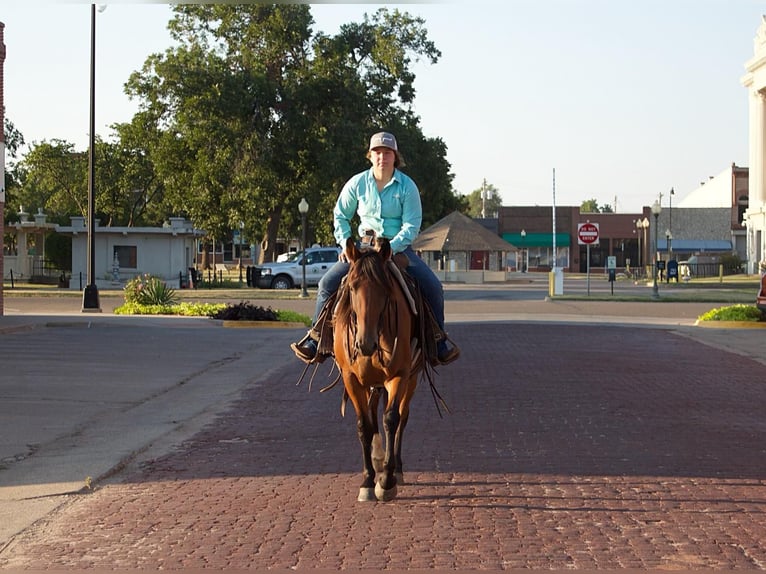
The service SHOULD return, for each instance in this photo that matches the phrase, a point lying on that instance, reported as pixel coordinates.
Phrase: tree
(491, 203)
(54, 177)
(591, 206)
(252, 114)
(14, 140)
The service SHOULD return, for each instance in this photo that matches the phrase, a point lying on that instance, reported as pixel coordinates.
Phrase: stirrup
(298, 350)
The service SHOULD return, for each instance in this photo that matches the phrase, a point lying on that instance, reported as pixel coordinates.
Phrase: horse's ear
(384, 248)
(350, 250)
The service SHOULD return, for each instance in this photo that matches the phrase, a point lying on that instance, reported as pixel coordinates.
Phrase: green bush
(246, 312)
(183, 309)
(738, 312)
(149, 290)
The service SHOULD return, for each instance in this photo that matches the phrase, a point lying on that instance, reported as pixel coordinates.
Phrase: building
(459, 248)
(710, 218)
(755, 215)
(125, 252)
(530, 228)
(25, 253)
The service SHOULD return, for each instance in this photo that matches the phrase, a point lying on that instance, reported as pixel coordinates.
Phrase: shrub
(149, 290)
(738, 312)
(246, 312)
(184, 309)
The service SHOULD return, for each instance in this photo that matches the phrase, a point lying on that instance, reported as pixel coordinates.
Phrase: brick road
(568, 446)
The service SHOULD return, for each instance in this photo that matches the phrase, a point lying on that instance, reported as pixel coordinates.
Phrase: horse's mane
(369, 266)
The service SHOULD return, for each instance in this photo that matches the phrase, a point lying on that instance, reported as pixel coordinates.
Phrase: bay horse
(375, 349)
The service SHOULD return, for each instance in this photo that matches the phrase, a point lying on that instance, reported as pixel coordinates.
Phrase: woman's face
(382, 157)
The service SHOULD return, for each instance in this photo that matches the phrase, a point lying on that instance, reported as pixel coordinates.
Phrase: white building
(755, 216)
(25, 256)
(122, 253)
(712, 215)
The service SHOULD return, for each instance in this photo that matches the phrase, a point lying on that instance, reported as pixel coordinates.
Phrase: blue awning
(695, 245)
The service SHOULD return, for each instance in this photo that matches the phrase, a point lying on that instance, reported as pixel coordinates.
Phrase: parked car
(289, 274)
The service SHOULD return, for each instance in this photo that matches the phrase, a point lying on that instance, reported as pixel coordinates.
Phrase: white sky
(624, 98)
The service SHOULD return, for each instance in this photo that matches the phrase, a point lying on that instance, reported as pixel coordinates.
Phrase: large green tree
(252, 112)
(53, 176)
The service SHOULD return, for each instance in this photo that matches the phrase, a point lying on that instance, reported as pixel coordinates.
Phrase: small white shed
(122, 253)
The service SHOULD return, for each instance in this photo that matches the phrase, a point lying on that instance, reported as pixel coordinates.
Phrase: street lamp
(523, 252)
(670, 224)
(645, 225)
(241, 231)
(90, 299)
(669, 240)
(303, 209)
(638, 231)
(656, 209)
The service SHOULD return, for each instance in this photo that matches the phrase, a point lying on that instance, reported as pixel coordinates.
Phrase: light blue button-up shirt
(395, 213)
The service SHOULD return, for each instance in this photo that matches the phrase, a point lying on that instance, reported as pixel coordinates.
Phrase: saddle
(428, 332)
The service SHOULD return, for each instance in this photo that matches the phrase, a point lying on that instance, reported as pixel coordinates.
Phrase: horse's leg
(367, 489)
(385, 488)
(399, 469)
(364, 427)
(404, 411)
(378, 455)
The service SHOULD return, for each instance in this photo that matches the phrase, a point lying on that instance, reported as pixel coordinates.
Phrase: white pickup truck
(289, 274)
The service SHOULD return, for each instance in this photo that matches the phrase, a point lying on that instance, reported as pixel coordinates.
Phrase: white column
(757, 193)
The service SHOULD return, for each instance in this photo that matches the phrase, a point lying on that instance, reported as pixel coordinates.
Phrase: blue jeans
(428, 282)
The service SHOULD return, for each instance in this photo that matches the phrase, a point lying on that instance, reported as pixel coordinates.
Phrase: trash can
(672, 270)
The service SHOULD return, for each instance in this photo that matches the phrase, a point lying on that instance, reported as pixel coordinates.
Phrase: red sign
(587, 233)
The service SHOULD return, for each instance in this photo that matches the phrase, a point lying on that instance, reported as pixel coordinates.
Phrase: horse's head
(369, 287)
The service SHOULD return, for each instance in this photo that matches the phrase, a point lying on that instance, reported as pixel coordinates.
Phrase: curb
(261, 324)
(730, 324)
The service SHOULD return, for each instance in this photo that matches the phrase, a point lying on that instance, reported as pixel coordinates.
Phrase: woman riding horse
(387, 202)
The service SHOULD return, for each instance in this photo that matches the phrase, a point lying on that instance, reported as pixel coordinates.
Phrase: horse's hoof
(385, 495)
(367, 494)
(399, 477)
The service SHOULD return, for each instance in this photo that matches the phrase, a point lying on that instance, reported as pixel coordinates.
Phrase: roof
(457, 232)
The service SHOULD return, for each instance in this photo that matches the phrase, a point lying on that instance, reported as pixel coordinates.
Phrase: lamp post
(645, 225)
(669, 240)
(90, 299)
(670, 224)
(241, 230)
(638, 231)
(523, 252)
(303, 209)
(656, 209)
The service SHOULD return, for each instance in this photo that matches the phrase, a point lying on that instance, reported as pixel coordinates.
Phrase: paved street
(575, 441)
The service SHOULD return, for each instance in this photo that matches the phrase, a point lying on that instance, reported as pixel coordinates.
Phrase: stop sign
(587, 233)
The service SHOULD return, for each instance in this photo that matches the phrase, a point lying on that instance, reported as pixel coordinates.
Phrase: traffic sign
(587, 233)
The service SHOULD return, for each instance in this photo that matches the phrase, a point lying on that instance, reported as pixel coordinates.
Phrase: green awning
(536, 240)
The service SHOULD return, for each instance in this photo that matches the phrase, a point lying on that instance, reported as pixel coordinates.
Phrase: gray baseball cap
(383, 139)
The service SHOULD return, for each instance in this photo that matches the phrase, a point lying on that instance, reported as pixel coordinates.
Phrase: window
(329, 256)
(126, 256)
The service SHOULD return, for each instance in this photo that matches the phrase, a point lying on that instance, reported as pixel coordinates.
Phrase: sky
(621, 99)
